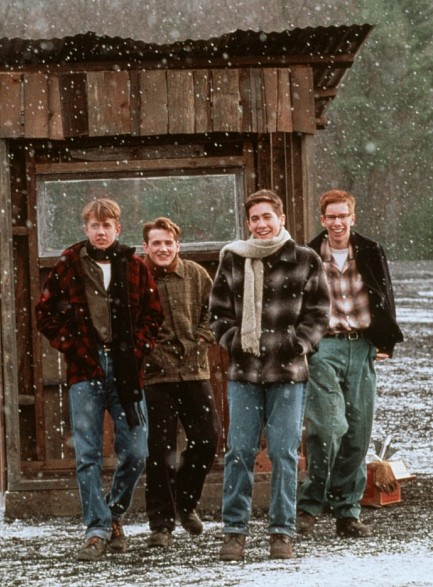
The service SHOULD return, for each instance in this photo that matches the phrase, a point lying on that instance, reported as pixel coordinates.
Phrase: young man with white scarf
(269, 308)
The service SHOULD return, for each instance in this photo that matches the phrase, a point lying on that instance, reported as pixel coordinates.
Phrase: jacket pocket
(279, 346)
(154, 362)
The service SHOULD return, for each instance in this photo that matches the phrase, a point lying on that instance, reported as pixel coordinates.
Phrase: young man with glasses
(342, 381)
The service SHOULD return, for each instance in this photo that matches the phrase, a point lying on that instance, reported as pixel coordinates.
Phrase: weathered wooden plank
(55, 121)
(132, 165)
(109, 104)
(202, 101)
(226, 99)
(57, 437)
(284, 107)
(36, 110)
(73, 99)
(246, 97)
(301, 154)
(270, 84)
(53, 365)
(134, 97)
(258, 115)
(303, 108)
(250, 175)
(118, 102)
(10, 100)
(35, 284)
(7, 323)
(263, 165)
(96, 102)
(154, 103)
(180, 85)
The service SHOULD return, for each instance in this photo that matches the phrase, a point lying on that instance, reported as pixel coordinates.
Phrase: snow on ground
(42, 556)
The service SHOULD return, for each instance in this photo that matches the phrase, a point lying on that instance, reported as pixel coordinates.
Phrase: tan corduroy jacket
(180, 354)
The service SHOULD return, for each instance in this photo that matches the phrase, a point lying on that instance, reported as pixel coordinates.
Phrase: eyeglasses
(333, 217)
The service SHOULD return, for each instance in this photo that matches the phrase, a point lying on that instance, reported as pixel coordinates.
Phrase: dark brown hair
(264, 196)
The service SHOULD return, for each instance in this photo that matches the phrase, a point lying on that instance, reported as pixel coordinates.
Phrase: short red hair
(337, 197)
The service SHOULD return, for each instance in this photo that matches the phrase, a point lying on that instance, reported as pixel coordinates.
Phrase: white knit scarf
(254, 250)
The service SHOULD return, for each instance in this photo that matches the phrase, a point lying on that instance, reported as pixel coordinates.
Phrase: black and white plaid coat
(295, 314)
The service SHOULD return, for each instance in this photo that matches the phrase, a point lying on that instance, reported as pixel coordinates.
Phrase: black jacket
(371, 262)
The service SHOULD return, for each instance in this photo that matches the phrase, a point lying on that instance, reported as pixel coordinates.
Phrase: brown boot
(233, 548)
(160, 538)
(352, 528)
(305, 523)
(281, 546)
(118, 542)
(191, 522)
(94, 549)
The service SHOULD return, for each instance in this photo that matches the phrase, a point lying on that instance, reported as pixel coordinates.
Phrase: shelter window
(205, 202)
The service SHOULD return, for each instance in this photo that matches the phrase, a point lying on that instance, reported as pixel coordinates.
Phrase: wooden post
(10, 433)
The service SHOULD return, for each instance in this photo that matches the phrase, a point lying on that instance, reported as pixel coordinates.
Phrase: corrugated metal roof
(308, 42)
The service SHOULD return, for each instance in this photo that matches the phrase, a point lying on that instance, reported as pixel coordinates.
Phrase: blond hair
(101, 209)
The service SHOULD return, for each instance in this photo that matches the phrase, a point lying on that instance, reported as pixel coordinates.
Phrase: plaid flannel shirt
(350, 308)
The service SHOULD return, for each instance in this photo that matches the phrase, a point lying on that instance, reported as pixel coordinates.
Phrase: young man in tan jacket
(177, 387)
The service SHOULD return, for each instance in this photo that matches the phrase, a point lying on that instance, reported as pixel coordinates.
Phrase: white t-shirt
(340, 257)
(106, 270)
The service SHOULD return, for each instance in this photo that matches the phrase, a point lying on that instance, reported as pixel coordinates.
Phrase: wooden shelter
(187, 130)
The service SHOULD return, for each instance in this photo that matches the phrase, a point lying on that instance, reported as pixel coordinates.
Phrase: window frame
(137, 169)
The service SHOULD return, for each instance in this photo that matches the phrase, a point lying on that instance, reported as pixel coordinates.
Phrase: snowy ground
(400, 554)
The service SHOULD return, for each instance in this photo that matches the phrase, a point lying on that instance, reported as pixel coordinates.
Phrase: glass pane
(206, 207)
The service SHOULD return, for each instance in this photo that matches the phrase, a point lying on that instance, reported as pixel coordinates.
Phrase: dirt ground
(42, 553)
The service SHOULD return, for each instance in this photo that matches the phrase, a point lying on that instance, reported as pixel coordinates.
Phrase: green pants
(339, 413)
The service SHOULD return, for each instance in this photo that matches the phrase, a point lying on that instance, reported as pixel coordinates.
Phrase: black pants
(175, 483)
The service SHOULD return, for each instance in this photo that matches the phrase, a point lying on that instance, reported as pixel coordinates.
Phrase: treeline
(379, 142)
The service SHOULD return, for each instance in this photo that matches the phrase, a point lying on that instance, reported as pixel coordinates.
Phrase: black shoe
(305, 523)
(352, 528)
(160, 538)
(191, 522)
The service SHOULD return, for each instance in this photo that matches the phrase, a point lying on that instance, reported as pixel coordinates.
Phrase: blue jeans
(339, 413)
(88, 401)
(279, 407)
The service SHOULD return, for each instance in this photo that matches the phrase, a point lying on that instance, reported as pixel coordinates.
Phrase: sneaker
(191, 522)
(94, 549)
(305, 523)
(281, 546)
(352, 528)
(160, 538)
(118, 542)
(233, 548)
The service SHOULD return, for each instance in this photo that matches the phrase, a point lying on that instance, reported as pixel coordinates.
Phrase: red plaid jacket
(63, 315)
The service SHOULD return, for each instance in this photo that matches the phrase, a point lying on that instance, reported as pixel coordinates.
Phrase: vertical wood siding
(105, 103)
